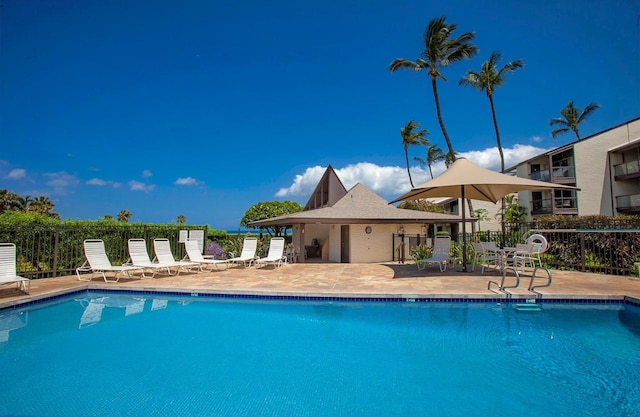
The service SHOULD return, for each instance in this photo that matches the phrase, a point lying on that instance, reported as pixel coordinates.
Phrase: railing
(627, 168)
(561, 172)
(610, 251)
(541, 175)
(45, 251)
(628, 202)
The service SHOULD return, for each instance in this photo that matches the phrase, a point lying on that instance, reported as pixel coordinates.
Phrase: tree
(482, 215)
(181, 219)
(514, 213)
(487, 80)
(422, 205)
(571, 119)
(22, 203)
(440, 50)
(409, 138)
(268, 209)
(434, 154)
(8, 200)
(42, 205)
(124, 216)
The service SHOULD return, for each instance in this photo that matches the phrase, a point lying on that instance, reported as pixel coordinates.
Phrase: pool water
(105, 354)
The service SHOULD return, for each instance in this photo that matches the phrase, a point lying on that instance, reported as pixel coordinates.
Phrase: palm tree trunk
(503, 205)
(439, 114)
(406, 157)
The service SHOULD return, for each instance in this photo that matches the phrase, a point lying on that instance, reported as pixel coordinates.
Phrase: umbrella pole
(504, 212)
(464, 233)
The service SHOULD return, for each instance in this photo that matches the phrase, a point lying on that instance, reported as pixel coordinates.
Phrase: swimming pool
(147, 354)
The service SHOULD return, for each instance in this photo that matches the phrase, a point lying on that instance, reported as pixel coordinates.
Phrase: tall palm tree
(8, 200)
(409, 138)
(571, 118)
(440, 50)
(487, 80)
(23, 203)
(181, 219)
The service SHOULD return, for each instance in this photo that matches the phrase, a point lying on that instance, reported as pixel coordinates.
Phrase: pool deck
(390, 280)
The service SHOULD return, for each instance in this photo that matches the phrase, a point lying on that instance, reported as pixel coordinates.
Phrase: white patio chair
(249, 247)
(8, 271)
(98, 262)
(276, 255)
(441, 254)
(138, 256)
(164, 255)
(194, 255)
(542, 248)
(485, 256)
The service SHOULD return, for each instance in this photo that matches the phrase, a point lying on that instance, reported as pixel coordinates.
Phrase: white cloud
(390, 181)
(17, 174)
(536, 139)
(146, 173)
(61, 182)
(139, 186)
(187, 181)
(102, 183)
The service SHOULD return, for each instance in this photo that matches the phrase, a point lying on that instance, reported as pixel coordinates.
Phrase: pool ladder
(528, 306)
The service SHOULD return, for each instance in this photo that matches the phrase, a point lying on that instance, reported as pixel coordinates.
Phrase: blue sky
(204, 108)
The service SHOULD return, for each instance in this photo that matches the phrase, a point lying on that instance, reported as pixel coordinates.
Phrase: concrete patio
(347, 280)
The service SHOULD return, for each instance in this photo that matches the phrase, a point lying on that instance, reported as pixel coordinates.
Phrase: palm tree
(42, 205)
(181, 219)
(439, 51)
(22, 204)
(409, 137)
(487, 80)
(124, 216)
(8, 200)
(571, 118)
(434, 154)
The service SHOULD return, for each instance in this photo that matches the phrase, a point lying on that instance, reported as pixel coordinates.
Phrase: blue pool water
(106, 354)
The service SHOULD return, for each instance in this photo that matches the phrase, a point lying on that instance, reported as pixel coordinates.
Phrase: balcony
(540, 175)
(541, 206)
(627, 170)
(628, 203)
(564, 174)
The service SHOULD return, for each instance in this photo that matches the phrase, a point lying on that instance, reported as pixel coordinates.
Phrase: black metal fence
(609, 251)
(45, 251)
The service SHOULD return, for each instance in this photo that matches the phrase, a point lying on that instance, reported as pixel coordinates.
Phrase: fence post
(582, 251)
(56, 247)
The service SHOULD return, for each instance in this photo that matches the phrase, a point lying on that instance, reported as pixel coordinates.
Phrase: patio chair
(441, 254)
(484, 255)
(194, 255)
(98, 263)
(138, 256)
(275, 256)
(542, 248)
(248, 254)
(164, 255)
(8, 271)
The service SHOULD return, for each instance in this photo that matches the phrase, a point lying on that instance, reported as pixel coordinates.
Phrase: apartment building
(605, 166)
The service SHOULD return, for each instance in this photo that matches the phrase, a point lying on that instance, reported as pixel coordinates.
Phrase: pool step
(528, 307)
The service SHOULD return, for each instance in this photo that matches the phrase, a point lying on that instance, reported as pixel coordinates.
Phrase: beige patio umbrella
(464, 179)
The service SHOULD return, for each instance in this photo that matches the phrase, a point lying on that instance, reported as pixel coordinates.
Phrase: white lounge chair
(139, 257)
(441, 254)
(193, 254)
(8, 271)
(164, 255)
(249, 247)
(275, 255)
(98, 262)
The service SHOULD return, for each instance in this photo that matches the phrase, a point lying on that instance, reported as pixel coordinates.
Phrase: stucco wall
(592, 171)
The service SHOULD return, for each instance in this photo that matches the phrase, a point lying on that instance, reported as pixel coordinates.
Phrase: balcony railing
(628, 203)
(541, 206)
(627, 168)
(560, 173)
(540, 175)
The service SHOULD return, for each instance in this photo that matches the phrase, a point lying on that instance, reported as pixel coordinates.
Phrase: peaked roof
(359, 205)
(328, 191)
